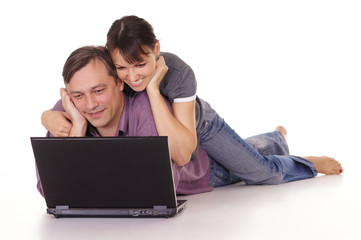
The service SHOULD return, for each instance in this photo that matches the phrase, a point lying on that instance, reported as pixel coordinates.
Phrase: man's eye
(99, 90)
(77, 96)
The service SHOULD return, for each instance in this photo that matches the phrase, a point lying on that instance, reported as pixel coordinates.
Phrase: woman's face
(138, 75)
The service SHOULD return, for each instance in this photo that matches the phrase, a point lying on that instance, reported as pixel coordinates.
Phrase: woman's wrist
(153, 91)
(44, 117)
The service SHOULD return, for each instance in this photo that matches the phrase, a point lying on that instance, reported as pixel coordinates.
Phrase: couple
(159, 97)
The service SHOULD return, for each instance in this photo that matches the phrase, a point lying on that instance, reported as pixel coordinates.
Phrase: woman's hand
(57, 123)
(161, 70)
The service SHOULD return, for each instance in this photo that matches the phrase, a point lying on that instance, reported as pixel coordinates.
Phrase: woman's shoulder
(179, 81)
(174, 61)
(170, 56)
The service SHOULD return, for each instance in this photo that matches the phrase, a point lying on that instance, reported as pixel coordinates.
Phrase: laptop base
(157, 211)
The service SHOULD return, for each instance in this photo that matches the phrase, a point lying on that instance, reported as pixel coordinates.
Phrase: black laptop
(107, 176)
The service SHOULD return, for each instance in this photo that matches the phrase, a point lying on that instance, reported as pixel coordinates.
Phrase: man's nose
(91, 102)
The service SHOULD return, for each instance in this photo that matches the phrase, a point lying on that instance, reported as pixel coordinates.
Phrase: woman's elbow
(183, 157)
(184, 154)
(181, 162)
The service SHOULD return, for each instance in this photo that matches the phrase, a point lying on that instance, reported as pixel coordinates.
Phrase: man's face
(96, 95)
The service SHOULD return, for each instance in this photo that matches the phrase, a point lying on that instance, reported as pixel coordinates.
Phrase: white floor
(326, 207)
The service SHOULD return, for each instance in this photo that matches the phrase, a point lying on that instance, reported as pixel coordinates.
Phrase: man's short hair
(82, 56)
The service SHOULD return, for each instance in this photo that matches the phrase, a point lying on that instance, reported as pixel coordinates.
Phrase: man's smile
(96, 114)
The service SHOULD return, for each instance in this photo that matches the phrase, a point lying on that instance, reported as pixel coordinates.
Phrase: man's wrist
(78, 130)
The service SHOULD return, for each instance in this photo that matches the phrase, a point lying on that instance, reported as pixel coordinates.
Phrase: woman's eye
(119, 68)
(141, 64)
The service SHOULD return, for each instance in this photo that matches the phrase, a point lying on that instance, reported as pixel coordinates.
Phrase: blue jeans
(262, 159)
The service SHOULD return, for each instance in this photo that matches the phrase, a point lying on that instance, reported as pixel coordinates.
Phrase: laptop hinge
(62, 207)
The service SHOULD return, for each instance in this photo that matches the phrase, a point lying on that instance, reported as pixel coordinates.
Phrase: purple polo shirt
(137, 120)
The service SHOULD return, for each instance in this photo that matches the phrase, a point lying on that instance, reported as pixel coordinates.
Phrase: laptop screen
(105, 172)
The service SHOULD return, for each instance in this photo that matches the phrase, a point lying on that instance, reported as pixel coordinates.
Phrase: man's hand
(79, 121)
(160, 72)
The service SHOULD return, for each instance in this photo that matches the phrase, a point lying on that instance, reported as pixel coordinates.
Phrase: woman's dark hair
(132, 36)
(82, 56)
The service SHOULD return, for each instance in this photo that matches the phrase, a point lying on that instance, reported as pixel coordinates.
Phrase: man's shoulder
(138, 98)
(140, 101)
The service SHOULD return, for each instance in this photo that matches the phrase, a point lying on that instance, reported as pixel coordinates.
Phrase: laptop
(107, 176)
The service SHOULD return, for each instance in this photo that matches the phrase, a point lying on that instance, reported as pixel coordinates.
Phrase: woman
(140, 64)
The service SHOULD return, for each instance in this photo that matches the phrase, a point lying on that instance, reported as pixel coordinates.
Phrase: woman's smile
(136, 83)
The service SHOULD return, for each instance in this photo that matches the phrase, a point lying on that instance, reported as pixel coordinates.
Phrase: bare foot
(283, 131)
(326, 165)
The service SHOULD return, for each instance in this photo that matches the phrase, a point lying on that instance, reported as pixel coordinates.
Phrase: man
(95, 103)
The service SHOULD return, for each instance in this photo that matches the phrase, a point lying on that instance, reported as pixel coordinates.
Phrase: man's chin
(96, 124)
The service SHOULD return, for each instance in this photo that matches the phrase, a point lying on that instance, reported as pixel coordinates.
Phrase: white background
(258, 63)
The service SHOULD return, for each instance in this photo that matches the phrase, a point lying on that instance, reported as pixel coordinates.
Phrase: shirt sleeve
(187, 87)
(39, 186)
(179, 84)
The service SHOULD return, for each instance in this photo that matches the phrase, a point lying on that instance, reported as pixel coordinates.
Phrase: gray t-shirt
(179, 84)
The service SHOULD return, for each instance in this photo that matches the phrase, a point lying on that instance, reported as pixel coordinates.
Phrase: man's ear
(120, 85)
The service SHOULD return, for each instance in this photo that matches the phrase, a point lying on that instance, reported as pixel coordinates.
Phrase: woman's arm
(180, 127)
(57, 123)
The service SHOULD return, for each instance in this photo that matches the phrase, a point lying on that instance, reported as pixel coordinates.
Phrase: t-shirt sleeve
(187, 88)
(179, 84)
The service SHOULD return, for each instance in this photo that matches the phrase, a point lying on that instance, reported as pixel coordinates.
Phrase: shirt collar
(124, 119)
